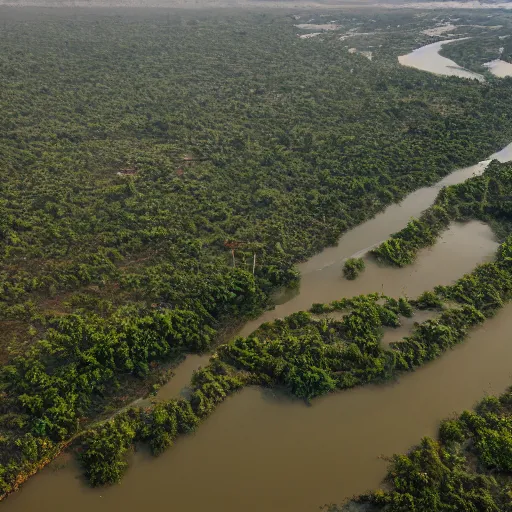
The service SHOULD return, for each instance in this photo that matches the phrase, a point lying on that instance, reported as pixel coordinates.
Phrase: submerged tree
(353, 267)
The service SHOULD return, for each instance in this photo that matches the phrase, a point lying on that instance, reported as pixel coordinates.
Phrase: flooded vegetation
(204, 201)
(466, 466)
(271, 421)
(239, 455)
(406, 328)
(458, 251)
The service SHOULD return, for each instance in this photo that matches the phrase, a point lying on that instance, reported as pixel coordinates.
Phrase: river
(321, 279)
(261, 450)
(264, 451)
(427, 58)
(499, 68)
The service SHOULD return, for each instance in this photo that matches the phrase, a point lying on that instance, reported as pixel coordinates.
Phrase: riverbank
(118, 274)
(257, 426)
(456, 356)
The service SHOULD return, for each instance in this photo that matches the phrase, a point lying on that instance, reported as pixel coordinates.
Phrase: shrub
(353, 267)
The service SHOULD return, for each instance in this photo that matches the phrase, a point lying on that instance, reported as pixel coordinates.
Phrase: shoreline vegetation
(473, 54)
(139, 216)
(467, 468)
(483, 198)
(309, 356)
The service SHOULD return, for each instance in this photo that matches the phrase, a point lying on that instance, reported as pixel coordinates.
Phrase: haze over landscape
(327, 4)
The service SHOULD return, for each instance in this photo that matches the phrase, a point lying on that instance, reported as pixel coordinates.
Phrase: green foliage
(481, 197)
(495, 447)
(105, 448)
(163, 428)
(59, 376)
(428, 300)
(452, 431)
(433, 337)
(472, 54)
(110, 274)
(438, 476)
(486, 288)
(430, 478)
(402, 247)
(311, 357)
(405, 307)
(211, 386)
(490, 432)
(353, 267)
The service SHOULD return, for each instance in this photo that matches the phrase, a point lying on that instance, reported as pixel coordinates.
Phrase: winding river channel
(427, 58)
(263, 451)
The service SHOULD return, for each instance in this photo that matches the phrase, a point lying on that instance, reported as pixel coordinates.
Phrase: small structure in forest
(236, 244)
(130, 171)
(189, 158)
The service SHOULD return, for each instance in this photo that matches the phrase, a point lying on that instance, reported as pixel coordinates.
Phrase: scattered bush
(353, 267)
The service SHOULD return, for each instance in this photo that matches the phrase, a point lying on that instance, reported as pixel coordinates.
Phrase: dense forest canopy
(161, 173)
(281, 146)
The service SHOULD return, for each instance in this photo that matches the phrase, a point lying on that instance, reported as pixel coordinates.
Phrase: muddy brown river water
(263, 451)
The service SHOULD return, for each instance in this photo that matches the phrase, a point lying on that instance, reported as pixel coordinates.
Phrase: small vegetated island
(353, 267)
(160, 178)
